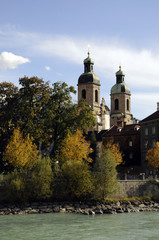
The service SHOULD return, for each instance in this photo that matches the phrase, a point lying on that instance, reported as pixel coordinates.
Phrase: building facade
(149, 135)
(128, 140)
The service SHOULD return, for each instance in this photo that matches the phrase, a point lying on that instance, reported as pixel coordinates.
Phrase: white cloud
(10, 61)
(47, 68)
(141, 65)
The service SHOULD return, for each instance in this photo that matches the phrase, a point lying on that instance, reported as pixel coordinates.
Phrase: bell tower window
(96, 96)
(116, 104)
(84, 94)
(127, 103)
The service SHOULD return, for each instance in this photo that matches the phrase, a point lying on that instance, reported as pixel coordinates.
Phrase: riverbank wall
(137, 188)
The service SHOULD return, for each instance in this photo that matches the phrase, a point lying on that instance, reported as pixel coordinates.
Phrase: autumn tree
(74, 148)
(152, 156)
(105, 175)
(73, 160)
(114, 148)
(21, 152)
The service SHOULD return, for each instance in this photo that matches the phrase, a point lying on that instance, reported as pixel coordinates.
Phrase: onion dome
(88, 76)
(120, 86)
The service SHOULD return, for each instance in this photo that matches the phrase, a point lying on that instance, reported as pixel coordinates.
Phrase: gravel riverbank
(81, 208)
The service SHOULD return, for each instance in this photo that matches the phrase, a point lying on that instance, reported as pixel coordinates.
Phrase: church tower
(89, 89)
(89, 86)
(120, 102)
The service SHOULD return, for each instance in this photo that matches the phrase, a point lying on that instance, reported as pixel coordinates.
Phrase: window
(130, 155)
(130, 143)
(153, 130)
(84, 94)
(96, 96)
(146, 131)
(119, 129)
(154, 143)
(116, 104)
(146, 144)
(127, 103)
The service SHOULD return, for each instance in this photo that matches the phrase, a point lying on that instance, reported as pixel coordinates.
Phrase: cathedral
(89, 89)
(115, 124)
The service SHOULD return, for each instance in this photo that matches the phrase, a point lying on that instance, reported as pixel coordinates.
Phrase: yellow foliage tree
(114, 148)
(74, 158)
(74, 147)
(152, 156)
(21, 152)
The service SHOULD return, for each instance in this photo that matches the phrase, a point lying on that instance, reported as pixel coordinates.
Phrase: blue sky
(49, 39)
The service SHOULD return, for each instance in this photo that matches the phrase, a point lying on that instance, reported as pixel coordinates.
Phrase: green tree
(23, 185)
(63, 117)
(33, 98)
(16, 186)
(105, 175)
(21, 152)
(8, 93)
(41, 180)
(78, 180)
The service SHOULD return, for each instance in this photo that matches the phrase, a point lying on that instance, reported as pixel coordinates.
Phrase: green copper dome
(120, 88)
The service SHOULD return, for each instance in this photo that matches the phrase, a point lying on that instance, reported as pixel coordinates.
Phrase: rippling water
(128, 226)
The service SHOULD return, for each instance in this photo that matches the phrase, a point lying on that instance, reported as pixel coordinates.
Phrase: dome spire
(88, 50)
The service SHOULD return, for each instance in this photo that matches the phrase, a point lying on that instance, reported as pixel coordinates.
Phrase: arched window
(84, 94)
(96, 96)
(127, 103)
(116, 104)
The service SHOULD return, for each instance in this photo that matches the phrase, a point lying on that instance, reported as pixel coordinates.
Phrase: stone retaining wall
(137, 188)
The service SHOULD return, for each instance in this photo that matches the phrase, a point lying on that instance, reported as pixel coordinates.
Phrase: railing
(141, 176)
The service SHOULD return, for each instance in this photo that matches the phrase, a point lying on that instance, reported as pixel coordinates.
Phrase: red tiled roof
(131, 129)
(153, 116)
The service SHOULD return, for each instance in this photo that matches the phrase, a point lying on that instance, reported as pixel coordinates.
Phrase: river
(127, 226)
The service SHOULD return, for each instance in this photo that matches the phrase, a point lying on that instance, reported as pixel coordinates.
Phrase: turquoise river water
(127, 226)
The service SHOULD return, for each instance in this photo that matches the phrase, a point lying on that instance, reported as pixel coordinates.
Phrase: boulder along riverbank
(81, 207)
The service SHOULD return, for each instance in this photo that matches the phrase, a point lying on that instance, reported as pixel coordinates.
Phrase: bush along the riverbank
(112, 207)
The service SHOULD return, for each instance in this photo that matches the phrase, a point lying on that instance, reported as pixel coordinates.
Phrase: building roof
(120, 88)
(131, 129)
(89, 77)
(151, 117)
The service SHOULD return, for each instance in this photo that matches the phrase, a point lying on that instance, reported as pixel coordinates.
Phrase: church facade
(115, 124)
(89, 89)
